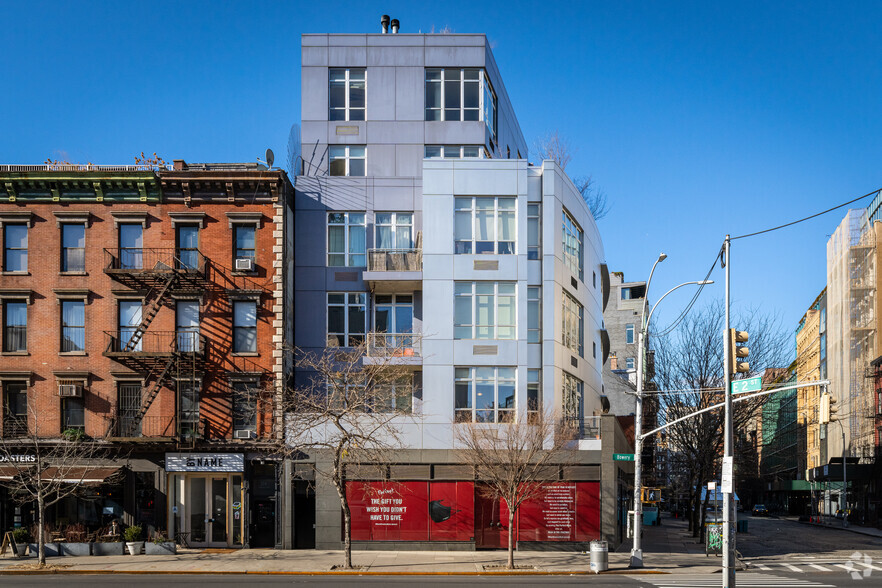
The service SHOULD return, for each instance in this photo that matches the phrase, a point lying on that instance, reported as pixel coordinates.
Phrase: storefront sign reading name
(18, 458)
(204, 462)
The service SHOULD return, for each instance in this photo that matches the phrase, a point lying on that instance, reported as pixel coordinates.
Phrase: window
(15, 327)
(572, 244)
(485, 310)
(534, 395)
(187, 325)
(346, 239)
(129, 320)
(347, 160)
(346, 318)
(73, 326)
(73, 248)
(15, 409)
(396, 396)
(633, 292)
(346, 94)
(629, 333)
(245, 394)
(244, 247)
(453, 94)
(131, 246)
(73, 414)
(188, 246)
(393, 313)
(629, 363)
(484, 394)
(394, 230)
(244, 326)
(485, 225)
(534, 314)
(455, 152)
(15, 248)
(189, 413)
(572, 324)
(129, 409)
(572, 396)
(534, 231)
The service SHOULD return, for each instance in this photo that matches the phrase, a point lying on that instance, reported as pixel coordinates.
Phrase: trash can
(599, 556)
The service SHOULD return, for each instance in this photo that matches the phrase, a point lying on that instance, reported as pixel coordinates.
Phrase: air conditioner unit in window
(70, 390)
(244, 264)
(244, 434)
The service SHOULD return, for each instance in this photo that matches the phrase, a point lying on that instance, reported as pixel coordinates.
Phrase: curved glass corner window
(573, 324)
(347, 160)
(485, 225)
(346, 94)
(346, 239)
(572, 244)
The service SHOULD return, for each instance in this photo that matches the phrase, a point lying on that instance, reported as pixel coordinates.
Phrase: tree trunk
(41, 533)
(347, 524)
(511, 539)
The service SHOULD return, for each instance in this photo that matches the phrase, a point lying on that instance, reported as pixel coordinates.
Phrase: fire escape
(171, 359)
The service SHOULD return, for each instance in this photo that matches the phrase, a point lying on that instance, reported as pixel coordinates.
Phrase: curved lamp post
(637, 549)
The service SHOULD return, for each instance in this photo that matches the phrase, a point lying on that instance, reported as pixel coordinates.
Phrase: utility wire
(806, 218)
(689, 306)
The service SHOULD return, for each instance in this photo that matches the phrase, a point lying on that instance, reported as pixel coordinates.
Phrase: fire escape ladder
(153, 392)
(150, 314)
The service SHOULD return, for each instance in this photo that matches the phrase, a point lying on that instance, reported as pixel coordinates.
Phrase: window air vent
(485, 350)
(486, 264)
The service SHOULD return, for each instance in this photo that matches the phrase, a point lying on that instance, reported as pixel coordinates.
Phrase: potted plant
(160, 545)
(21, 537)
(133, 539)
(73, 434)
(75, 541)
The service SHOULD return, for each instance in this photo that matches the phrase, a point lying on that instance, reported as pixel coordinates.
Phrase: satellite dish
(270, 157)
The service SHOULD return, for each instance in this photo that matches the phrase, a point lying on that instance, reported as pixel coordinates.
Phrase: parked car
(760, 510)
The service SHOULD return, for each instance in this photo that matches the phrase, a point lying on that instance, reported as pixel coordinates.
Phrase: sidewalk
(667, 549)
(837, 525)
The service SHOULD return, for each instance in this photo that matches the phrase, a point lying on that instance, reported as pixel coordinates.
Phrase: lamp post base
(636, 558)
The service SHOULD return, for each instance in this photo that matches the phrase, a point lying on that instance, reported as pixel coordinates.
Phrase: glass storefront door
(207, 509)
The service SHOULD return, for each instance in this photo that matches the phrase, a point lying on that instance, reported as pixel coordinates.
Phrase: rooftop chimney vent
(384, 22)
(395, 26)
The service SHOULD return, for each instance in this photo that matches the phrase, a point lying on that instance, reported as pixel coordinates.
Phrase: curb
(316, 573)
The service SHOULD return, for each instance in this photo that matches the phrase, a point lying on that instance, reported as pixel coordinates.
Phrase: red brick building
(145, 307)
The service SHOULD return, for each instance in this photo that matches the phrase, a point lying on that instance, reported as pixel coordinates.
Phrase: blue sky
(696, 118)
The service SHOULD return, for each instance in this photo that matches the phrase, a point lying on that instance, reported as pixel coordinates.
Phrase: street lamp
(637, 549)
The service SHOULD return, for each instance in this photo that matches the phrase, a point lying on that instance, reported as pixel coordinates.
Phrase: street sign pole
(728, 542)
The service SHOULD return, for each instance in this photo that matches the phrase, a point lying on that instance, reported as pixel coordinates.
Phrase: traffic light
(735, 353)
(827, 409)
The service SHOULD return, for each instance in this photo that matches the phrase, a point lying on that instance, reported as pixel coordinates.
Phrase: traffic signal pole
(728, 503)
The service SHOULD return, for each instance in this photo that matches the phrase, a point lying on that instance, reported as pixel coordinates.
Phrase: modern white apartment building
(420, 219)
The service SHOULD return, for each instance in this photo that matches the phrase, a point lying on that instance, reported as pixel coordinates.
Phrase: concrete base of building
(413, 545)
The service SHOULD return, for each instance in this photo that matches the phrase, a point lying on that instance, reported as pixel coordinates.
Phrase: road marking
(764, 568)
(792, 568)
(819, 567)
(745, 580)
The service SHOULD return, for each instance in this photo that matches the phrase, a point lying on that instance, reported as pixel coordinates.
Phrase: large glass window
(245, 405)
(346, 318)
(73, 248)
(346, 94)
(346, 239)
(484, 394)
(244, 326)
(572, 244)
(347, 160)
(73, 325)
(187, 325)
(15, 327)
(460, 95)
(534, 231)
(244, 246)
(188, 246)
(393, 313)
(394, 230)
(485, 310)
(534, 314)
(572, 324)
(572, 396)
(131, 246)
(15, 248)
(395, 396)
(629, 333)
(129, 319)
(534, 395)
(485, 224)
(455, 152)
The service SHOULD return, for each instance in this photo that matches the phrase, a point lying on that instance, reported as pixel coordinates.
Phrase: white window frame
(347, 239)
(629, 363)
(534, 299)
(472, 297)
(65, 261)
(347, 108)
(455, 152)
(534, 216)
(334, 154)
(500, 414)
(573, 315)
(571, 396)
(534, 383)
(349, 336)
(459, 208)
(629, 333)
(573, 244)
(249, 328)
(442, 79)
(394, 225)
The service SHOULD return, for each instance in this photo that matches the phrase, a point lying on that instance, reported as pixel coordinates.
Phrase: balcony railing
(14, 427)
(576, 428)
(393, 345)
(147, 427)
(155, 342)
(153, 260)
(395, 260)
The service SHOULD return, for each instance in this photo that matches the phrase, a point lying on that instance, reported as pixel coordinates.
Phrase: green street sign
(623, 457)
(747, 385)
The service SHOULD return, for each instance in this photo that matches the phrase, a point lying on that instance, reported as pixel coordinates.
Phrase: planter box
(115, 548)
(51, 549)
(135, 547)
(168, 548)
(76, 549)
(21, 549)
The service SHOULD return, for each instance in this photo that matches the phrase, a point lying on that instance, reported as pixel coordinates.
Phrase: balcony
(394, 271)
(582, 433)
(154, 347)
(148, 429)
(142, 267)
(398, 349)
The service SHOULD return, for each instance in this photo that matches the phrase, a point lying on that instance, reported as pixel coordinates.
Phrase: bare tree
(44, 471)
(514, 459)
(557, 148)
(690, 374)
(349, 404)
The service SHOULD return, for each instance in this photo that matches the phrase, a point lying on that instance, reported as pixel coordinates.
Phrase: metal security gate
(129, 408)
